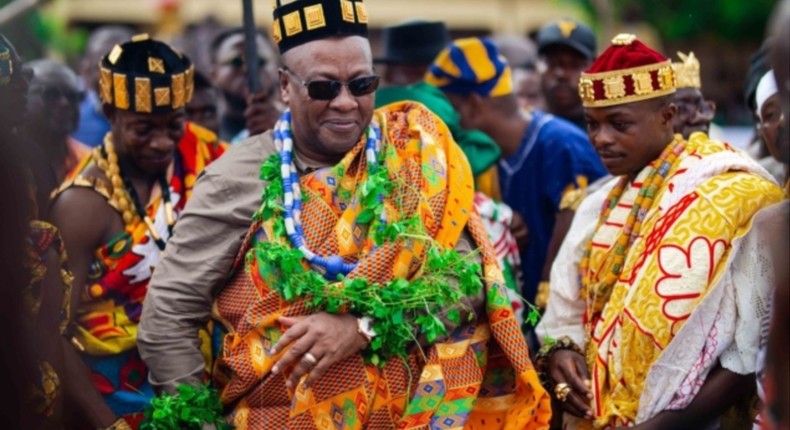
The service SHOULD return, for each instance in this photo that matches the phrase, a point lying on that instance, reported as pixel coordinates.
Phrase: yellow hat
(471, 65)
(687, 72)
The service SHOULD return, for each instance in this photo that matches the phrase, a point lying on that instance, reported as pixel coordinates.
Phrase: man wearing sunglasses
(287, 365)
(240, 110)
(53, 107)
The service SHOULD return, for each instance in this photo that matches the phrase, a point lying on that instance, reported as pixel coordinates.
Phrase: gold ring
(310, 358)
(561, 391)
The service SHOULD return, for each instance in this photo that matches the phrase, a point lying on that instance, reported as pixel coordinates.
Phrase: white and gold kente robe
(692, 292)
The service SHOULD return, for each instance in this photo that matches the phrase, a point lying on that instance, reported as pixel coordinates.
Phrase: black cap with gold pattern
(297, 22)
(146, 76)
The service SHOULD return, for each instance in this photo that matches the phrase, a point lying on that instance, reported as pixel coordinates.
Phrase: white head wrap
(765, 89)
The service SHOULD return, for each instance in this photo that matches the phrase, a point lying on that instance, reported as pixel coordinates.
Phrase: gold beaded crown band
(628, 71)
(146, 76)
(687, 71)
(297, 22)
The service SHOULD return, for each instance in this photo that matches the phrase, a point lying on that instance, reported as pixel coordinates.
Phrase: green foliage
(270, 174)
(190, 409)
(402, 310)
(730, 20)
(55, 33)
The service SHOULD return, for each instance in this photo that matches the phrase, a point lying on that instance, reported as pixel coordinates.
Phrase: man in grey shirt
(283, 364)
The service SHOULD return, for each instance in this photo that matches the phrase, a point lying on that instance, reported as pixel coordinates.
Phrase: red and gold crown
(628, 71)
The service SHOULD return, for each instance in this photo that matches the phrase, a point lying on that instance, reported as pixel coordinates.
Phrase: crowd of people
(482, 233)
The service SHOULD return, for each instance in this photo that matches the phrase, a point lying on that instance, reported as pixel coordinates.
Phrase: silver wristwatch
(365, 328)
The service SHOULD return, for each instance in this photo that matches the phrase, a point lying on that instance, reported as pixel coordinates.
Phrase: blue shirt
(93, 125)
(554, 156)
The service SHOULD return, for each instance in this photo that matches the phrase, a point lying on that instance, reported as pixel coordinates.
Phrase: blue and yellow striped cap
(471, 65)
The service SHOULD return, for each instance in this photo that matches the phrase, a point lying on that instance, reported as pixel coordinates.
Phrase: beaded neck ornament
(332, 265)
(599, 286)
(124, 193)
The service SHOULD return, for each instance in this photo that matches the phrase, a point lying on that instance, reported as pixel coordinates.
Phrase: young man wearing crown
(117, 210)
(356, 300)
(657, 291)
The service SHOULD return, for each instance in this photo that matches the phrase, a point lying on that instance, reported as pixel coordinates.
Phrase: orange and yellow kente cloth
(480, 377)
(106, 323)
(641, 360)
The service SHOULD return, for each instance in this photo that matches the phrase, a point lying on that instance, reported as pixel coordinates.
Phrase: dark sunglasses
(329, 89)
(237, 62)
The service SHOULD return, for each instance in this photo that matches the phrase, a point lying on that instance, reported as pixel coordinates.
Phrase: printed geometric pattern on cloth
(441, 392)
(106, 323)
(46, 391)
(681, 253)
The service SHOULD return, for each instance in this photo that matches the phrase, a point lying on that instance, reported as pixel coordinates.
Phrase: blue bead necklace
(332, 265)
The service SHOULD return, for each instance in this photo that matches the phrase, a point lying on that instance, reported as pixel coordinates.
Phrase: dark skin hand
(721, 390)
(262, 111)
(569, 367)
(329, 338)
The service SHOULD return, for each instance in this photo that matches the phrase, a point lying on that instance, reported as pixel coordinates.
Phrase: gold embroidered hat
(146, 76)
(297, 22)
(687, 71)
(628, 71)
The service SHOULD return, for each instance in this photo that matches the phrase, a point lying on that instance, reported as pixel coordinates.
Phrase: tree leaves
(682, 20)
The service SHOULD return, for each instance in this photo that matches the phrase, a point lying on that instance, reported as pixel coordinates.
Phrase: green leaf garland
(402, 310)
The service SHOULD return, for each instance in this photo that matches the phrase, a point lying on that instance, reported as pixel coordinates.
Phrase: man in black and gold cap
(134, 186)
(332, 307)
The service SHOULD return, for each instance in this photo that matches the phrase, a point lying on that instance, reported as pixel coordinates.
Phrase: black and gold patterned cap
(297, 22)
(146, 76)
